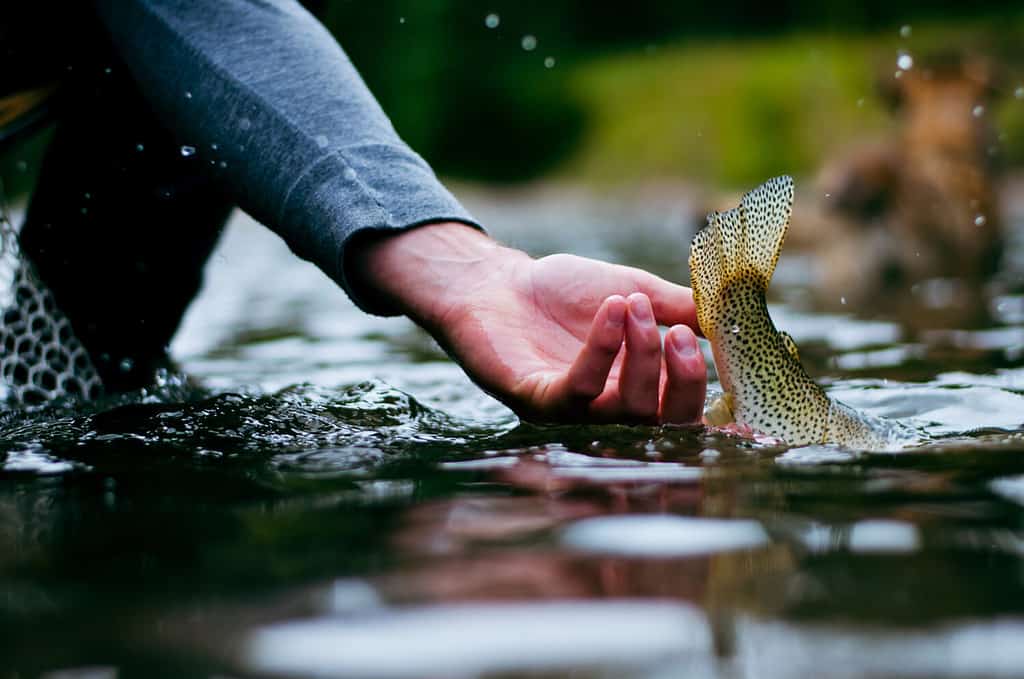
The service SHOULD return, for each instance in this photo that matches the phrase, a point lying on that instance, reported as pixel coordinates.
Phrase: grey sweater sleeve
(259, 91)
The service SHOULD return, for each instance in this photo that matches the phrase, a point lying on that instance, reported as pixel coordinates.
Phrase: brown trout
(766, 388)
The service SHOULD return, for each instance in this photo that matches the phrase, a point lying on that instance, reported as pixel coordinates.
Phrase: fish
(765, 386)
(41, 358)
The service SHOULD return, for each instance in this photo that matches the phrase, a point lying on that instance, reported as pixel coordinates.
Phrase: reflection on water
(337, 499)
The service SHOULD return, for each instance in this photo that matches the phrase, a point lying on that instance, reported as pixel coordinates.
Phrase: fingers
(641, 365)
(629, 326)
(682, 400)
(673, 304)
(589, 372)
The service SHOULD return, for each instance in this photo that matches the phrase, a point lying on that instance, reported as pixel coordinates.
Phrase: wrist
(428, 272)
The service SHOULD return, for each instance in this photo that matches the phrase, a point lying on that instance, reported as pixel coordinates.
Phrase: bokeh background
(726, 93)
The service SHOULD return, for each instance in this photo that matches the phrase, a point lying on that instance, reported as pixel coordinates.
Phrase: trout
(765, 386)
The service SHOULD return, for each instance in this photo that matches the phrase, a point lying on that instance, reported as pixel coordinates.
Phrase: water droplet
(188, 151)
(140, 148)
(1019, 93)
(897, 75)
(85, 210)
(904, 61)
(492, 20)
(529, 43)
(828, 195)
(978, 111)
(222, 164)
(321, 141)
(401, 20)
(349, 174)
(87, 195)
(735, 329)
(980, 220)
(21, 165)
(906, 31)
(245, 123)
(188, 95)
(214, 146)
(549, 62)
(842, 300)
(126, 364)
(860, 103)
(107, 70)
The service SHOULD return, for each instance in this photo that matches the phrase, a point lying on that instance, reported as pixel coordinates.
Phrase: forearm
(262, 95)
(427, 273)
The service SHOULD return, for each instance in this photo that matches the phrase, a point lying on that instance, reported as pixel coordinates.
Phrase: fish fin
(706, 270)
(790, 345)
(719, 413)
(765, 213)
(734, 246)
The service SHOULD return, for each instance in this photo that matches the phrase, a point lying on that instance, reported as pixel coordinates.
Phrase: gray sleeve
(268, 99)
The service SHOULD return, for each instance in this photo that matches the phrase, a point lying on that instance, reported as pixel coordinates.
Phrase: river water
(330, 496)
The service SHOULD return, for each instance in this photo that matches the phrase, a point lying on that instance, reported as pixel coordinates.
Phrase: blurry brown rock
(918, 205)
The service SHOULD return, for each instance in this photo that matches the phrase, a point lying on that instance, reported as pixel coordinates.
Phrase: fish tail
(740, 244)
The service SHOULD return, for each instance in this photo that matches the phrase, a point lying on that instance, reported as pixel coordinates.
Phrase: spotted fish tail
(739, 244)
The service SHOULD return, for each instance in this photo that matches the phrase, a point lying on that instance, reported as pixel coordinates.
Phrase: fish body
(766, 388)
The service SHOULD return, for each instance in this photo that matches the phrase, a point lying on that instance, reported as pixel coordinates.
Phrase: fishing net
(40, 357)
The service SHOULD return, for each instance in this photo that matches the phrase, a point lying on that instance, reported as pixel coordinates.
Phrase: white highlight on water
(492, 20)
(469, 640)
(662, 535)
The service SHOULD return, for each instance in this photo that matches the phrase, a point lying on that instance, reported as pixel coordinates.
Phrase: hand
(561, 338)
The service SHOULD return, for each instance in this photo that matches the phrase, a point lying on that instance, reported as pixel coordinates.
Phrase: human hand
(561, 338)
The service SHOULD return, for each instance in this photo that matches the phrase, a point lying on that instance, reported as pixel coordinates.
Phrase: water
(336, 499)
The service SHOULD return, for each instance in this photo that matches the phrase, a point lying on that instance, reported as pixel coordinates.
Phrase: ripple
(34, 460)
(945, 408)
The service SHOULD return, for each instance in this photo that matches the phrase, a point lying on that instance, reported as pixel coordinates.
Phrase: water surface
(332, 497)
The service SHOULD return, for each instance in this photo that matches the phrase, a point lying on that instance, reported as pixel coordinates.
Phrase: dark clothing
(202, 105)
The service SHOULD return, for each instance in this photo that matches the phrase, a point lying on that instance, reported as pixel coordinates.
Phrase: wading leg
(121, 224)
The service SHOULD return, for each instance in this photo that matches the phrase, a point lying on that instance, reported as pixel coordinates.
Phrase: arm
(270, 102)
(304, 147)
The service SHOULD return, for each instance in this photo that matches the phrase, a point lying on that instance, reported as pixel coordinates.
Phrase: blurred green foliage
(728, 92)
(736, 112)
